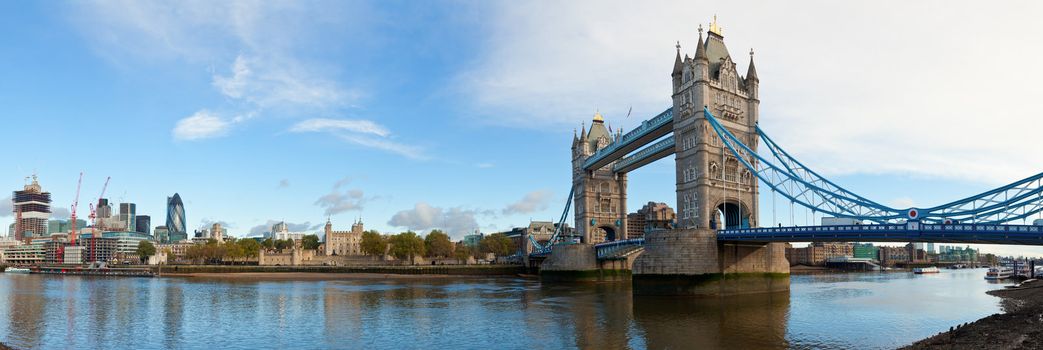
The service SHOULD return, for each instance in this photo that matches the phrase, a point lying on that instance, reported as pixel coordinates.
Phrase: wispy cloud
(338, 201)
(201, 125)
(261, 43)
(330, 125)
(267, 82)
(6, 207)
(60, 213)
(364, 133)
(284, 183)
(293, 227)
(532, 202)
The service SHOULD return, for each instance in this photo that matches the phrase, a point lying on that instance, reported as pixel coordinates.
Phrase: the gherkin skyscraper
(176, 217)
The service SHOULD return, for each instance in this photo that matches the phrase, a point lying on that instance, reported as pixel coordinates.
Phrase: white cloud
(905, 89)
(207, 223)
(485, 165)
(337, 201)
(201, 125)
(284, 183)
(532, 202)
(329, 125)
(342, 182)
(6, 207)
(260, 230)
(60, 213)
(360, 132)
(407, 151)
(266, 82)
(265, 44)
(903, 202)
(455, 221)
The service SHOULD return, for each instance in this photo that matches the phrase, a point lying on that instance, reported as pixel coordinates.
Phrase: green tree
(462, 252)
(437, 244)
(145, 250)
(281, 244)
(497, 243)
(250, 247)
(268, 243)
(373, 243)
(233, 251)
(310, 241)
(195, 253)
(407, 245)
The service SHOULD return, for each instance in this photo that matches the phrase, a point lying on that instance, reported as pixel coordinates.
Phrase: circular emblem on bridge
(913, 214)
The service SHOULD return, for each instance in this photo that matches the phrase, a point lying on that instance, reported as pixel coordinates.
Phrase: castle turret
(678, 67)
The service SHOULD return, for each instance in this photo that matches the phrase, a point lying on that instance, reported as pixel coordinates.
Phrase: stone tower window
(731, 170)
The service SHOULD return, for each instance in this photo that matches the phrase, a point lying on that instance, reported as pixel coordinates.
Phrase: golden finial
(597, 116)
(714, 28)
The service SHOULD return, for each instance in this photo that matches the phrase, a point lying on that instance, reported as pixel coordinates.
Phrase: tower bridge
(716, 246)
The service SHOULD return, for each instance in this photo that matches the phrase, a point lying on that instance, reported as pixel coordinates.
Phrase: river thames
(822, 311)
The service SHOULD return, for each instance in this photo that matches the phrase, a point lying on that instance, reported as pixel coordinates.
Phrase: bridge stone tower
(601, 195)
(711, 182)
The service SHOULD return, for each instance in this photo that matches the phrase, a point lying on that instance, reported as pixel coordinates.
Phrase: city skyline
(253, 126)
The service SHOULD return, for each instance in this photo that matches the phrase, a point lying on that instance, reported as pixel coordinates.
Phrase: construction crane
(94, 219)
(94, 209)
(75, 203)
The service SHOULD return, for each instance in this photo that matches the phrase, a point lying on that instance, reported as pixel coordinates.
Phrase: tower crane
(94, 220)
(94, 209)
(75, 203)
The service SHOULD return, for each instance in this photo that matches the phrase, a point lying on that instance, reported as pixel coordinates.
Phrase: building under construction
(32, 208)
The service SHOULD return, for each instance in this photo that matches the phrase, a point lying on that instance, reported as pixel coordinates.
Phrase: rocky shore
(1020, 327)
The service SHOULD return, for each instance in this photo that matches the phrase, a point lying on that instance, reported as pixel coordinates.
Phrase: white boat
(16, 270)
(923, 270)
(999, 273)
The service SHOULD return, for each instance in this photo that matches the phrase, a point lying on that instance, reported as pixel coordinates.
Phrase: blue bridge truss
(990, 217)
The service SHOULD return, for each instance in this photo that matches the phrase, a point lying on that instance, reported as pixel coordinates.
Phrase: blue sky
(459, 115)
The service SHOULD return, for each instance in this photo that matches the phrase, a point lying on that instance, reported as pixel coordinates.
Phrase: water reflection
(740, 322)
(820, 311)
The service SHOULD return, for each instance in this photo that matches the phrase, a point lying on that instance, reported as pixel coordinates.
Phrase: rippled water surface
(839, 311)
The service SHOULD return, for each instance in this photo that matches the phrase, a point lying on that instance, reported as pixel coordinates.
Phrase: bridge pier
(579, 263)
(693, 262)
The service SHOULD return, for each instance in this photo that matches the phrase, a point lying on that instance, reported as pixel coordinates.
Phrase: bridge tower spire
(712, 186)
(600, 195)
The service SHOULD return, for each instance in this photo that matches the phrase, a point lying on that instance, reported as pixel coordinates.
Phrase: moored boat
(999, 273)
(13, 269)
(923, 270)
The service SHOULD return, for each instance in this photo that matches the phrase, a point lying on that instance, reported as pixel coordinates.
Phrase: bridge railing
(646, 126)
(1017, 234)
(610, 248)
(835, 228)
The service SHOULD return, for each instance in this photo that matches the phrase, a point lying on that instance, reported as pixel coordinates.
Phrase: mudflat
(1019, 327)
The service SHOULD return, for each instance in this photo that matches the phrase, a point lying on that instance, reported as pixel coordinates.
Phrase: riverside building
(32, 208)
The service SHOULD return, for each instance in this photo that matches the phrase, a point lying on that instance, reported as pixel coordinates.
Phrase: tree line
(405, 245)
(436, 244)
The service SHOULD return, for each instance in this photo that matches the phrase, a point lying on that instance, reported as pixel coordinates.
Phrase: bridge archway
(732, 214)
(605, 234)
